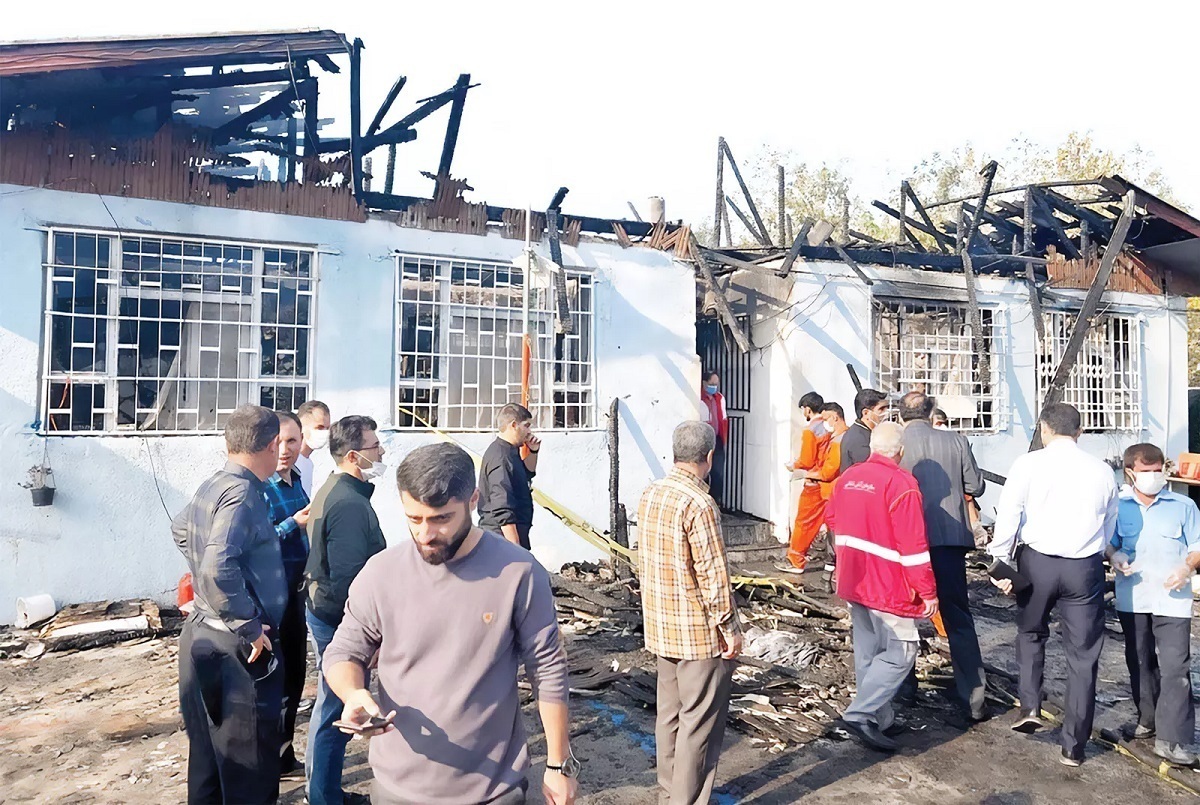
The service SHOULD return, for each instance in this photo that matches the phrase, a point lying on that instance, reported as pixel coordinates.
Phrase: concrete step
(757, 554)
(743, 531)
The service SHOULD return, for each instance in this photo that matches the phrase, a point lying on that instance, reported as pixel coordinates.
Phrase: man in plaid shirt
(691, 621)
(289, 514)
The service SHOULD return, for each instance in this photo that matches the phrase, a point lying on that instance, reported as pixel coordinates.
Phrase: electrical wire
(154, 475)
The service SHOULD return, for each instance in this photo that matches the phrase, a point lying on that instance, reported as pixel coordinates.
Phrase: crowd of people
(897, 502)
(443, 621)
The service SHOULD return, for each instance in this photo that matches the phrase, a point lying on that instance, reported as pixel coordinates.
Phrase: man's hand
(301, 517)
(360, 708)
(731, 645)
(263, 643)
(790, 467)
(533, 443)
(930, 609)
(1120, 563)
(1179, 579)
(559, 789)
(1005, 585)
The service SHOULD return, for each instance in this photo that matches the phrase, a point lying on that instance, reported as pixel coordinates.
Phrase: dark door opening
(718, 352)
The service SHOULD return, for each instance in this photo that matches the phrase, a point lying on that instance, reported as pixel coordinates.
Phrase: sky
(619, 101)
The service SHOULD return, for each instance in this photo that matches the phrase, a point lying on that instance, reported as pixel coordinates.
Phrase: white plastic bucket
(35, 609)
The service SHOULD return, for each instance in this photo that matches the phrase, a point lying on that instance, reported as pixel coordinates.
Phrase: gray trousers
(1076, 588)
(885, 650)
(693, 702)
(1158, 652)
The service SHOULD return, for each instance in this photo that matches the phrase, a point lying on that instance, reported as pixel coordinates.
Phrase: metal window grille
(1105, 383)
(148, 334)
(929, 348)
(459, 343)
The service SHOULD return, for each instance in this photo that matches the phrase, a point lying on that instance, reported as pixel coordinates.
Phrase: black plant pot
(42, 495)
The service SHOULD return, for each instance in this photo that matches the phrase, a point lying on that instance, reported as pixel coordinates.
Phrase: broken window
(1105, 383)
(459, 343)
(168, 335)
(929, 348)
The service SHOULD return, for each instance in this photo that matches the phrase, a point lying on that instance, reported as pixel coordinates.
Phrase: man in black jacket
(505, 479)
(946, 472)
(344, 533)
(870, 408)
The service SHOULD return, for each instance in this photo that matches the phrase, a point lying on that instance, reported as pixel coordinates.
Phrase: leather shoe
(1070, 759)
(869, 735)
(895, 728)
(1027, 723)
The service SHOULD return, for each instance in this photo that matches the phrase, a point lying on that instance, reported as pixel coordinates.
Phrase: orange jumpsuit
(815, 453)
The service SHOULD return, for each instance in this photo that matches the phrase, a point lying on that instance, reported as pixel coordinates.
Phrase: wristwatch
(569, 768)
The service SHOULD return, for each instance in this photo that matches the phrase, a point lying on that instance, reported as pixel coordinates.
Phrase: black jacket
(856, 445)
(344, 533)
(505, 488)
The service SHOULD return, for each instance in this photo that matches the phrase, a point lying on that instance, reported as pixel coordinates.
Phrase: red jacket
(715, 403)
(876, 516)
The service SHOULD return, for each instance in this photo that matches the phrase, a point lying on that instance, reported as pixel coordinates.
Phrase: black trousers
(716, 476)
(1076, 588)
(231, 719)
(293, 653)
(1158, 652)
(950, 574)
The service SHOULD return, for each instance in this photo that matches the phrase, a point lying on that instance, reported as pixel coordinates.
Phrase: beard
(440, 552)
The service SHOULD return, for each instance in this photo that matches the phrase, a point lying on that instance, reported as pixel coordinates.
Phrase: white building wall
(107, 534)
(828, 324)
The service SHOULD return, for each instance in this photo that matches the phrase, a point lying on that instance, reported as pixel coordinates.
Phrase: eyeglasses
(375, 446)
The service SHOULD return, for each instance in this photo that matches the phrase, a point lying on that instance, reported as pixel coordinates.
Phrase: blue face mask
(710, 389)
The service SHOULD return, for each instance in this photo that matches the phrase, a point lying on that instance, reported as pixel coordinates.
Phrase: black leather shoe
(869, 735)
(1070, 759)
(1027, 723)
(895, 728)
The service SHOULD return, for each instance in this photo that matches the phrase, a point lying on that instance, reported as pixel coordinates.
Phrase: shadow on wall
(107, 534)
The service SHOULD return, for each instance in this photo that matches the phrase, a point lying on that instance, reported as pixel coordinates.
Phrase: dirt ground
(102, 726)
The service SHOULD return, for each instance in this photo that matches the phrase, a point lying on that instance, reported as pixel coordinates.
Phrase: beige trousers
(693, 701)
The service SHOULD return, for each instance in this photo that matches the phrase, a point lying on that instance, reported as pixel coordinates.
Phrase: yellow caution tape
(570, 519)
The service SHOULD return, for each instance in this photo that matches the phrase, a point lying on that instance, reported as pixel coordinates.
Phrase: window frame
(440, 351)
(1135, 324)
(998, 362)
(110, 378)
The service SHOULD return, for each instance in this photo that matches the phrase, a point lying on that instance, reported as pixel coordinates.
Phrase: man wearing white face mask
(344, 533)
(314, 424)
(1155, 552)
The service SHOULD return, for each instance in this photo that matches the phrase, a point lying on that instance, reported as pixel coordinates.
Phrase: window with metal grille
(929, 348)
(148, 334)
(460, 342)
(1105, 383)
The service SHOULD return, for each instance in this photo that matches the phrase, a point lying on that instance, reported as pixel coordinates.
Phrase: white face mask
(318, 439)
(376, 469)
(1149, 483)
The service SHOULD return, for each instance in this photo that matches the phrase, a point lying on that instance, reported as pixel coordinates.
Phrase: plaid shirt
(284, 500)
(686, 595)
(226, 536)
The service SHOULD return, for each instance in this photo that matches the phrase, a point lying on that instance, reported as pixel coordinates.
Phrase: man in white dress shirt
(1060, 506)
(314, 422)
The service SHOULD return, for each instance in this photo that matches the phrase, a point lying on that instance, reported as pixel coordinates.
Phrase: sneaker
(790, 568)
(1069, 759)
(897, 727)
(1027, 723)
(1174, 754)
(352, 798)
(868, 735)
(1138, 732)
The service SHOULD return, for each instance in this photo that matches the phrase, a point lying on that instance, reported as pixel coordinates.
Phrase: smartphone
(374, 724)
(1000, 569)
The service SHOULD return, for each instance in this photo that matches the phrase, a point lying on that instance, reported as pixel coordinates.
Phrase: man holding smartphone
(451, 614)
(230, 691)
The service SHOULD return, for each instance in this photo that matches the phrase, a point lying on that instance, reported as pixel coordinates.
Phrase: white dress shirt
(1059, 501)
(304, 466)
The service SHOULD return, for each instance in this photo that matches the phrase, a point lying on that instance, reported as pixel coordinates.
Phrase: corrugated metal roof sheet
(27, 58)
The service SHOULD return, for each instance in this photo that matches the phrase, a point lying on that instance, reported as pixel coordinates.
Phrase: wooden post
(1083, 322)
(720, 207)
(737, 174)
(356, 154)
(782, 209)
(723, 308)
(456, 110)
(618, 526)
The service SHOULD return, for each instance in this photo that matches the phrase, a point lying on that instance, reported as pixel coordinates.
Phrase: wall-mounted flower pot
(42, 495)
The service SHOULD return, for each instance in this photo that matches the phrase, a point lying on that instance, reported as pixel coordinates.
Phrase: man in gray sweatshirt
(451, 614)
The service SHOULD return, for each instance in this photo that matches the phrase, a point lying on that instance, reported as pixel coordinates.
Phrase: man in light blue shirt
(1155, 551)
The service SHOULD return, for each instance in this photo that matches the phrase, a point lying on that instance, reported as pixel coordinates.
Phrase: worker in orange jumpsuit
(819, 480)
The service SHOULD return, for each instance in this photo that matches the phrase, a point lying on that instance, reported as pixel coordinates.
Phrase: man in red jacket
(885, 575)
